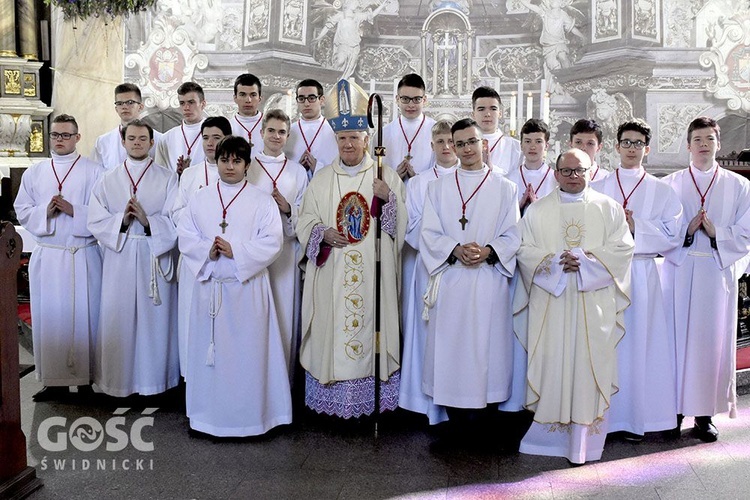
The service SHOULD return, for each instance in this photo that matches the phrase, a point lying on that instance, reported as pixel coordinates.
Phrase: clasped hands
(134, 210)
(701, 221)
(471, 254)
(58, 205)
(219, 247)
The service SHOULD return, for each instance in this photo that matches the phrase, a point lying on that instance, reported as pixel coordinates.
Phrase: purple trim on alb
(351, 398)
(390, 213)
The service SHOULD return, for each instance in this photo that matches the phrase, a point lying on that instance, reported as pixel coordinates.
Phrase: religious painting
(647, 20)
(257, 21)
(353, 217)
(36, 138)
(292, 24)
(607, 23)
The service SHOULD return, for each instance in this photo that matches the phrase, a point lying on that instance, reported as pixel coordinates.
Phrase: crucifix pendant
(463, 220)
(223, 226)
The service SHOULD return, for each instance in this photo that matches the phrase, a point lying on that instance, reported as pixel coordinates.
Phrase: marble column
(27, 28)
(8, 28)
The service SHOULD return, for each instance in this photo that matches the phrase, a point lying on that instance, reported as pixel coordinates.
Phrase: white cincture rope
(214, 306)
(156, 270)
(430, 295)
(71, 361)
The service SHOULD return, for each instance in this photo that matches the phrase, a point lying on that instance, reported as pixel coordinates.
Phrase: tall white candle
(545, 108)
(519, 101)
(513, 118)
(529, 106)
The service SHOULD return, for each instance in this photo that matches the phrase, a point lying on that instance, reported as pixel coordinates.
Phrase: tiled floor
(312, 459)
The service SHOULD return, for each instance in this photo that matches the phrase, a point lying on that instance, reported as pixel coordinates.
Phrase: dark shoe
(631, 437)
(705, 430)
(50, 394)
(675, 433)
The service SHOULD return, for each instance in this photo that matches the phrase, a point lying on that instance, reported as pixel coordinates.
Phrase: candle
(289, 94)
(372, 86)
(545, 108)
(519, 101)
(513, 106)
(542, 92)
(529, 106)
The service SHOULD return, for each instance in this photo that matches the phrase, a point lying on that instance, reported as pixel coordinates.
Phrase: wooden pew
(17, 479)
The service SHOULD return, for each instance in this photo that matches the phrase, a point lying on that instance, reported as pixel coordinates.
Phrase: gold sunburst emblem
(573, 233)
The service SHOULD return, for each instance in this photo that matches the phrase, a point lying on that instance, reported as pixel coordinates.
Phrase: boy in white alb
(587, 136)
(65, 271)
(246, 123)
(534, 177)
(312, 142)
(468, 358)
(180, 145)
(285, 180)
(229, 235)
(108, 150)
(195, 177)
(700, 280)
(647, 399)
(414, 328)
(407, 138)
(502, 152)
(129, 215)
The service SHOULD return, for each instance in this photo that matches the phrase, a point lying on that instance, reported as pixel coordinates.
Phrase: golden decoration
(29, 85)
(573, 233)
(36, 139)
(12, 81)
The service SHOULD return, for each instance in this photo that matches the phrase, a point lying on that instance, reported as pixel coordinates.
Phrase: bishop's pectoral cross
(223, 226)
(463, 220)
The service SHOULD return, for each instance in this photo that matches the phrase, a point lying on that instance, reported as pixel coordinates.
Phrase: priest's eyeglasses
(567, 172)
(463, 144)
(64, 136)
(627, 143)
(129, 102)
(405, 99)
(308, 98)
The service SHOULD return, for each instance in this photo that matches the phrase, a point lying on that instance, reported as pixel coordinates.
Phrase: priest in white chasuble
(231, 232)
(468, 243)
(65, 271)
(336, 228)
(129, 215)
(575, 257)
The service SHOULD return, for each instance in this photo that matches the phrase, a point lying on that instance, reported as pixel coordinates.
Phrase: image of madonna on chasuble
(338, 307)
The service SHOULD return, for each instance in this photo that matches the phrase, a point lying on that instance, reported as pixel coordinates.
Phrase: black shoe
(631, 437)
(50, 394)
(705, 430)
(675, 433)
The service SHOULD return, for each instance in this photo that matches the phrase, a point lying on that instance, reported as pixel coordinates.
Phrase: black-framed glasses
(405, 99)
(567, 172)
(129, 102)
(463, 144)
(627, 143)
(64, 136)
(308, 98)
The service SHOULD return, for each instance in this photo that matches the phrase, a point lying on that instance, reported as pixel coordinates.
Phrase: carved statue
(202, 19)
(609, 110)
(347, 18)
(557, 22)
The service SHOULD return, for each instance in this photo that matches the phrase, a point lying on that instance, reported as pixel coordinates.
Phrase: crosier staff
(379, 150)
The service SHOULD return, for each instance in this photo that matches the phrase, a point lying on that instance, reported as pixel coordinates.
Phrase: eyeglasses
(567, 172)
(308, 98)
(463, 144)
(64, 136)
(405, 99)
(129, 102)
(627, 143)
